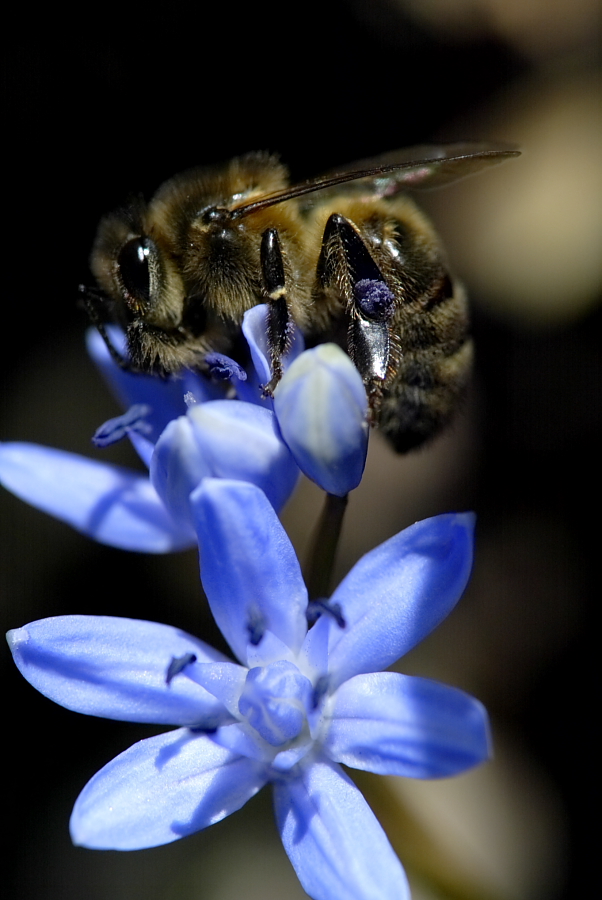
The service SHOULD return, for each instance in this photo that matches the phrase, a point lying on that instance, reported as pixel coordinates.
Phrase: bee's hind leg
(279, 318)
(346, 263)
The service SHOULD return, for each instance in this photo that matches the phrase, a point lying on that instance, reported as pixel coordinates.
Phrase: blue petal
(398, 593)
(223, 368)
(222, 439)
(322, 411)
(248, 566)
(399, 725)
(268, 649)
(165, 396)
(176, 468)
(314, 652)
(242, 742)
(242, 441)
(254, 328)
(225, 680)
(116, 668)
(111, 504)
(162, 789)
(332, 838)
(143, 447)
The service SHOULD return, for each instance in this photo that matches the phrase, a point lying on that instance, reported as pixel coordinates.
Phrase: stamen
(255, 625)
(222, 368)
(177, 665)
(317, 608)
(320, 691)
(116, 429)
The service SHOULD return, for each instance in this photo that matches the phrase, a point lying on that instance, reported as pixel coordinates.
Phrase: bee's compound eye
(135, 262)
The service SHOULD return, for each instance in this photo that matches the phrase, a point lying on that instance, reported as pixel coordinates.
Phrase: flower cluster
(317, 424)
(294, 702)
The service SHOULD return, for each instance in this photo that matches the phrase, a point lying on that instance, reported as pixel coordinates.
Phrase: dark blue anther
(177, 665)
(320, 691)
(115, 429)
(317, 608)
(255, 625)
(222, 368)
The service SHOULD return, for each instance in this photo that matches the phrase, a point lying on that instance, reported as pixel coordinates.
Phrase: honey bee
(346, 257)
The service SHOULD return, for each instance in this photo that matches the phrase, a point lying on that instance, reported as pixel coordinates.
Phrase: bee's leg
(279, 319)
(346, 263)
(92, 300)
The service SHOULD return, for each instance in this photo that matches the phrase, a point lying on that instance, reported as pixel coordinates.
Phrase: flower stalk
(324, 545)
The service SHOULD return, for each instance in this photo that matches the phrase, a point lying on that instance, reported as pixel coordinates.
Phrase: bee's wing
(384, 176)
(422, 167)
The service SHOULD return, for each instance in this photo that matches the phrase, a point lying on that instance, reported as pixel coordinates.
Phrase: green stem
(323, 547)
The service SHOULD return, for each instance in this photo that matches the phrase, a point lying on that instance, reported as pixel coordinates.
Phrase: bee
(347, 257)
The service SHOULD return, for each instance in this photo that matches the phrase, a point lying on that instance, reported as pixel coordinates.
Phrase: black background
(112, 102)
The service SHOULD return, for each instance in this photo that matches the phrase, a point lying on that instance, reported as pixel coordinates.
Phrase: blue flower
(322, 412)
(133, 511)
(188, 431)
(296, 705)
(185, 429)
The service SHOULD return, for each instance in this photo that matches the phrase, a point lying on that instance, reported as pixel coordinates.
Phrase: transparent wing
(424, 166)
(400, 170)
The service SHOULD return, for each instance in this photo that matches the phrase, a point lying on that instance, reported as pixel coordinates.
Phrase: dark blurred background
(115, 101)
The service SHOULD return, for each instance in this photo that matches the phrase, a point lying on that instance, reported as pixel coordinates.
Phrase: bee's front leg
(94, 303)
(279, 317)
(346, 263)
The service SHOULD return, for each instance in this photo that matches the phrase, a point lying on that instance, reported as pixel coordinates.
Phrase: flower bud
(321, 407)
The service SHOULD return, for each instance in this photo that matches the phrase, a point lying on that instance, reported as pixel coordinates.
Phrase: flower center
(275, 700)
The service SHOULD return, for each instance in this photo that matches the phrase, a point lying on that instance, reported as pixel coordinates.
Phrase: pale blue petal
(198, 388)
(176, 468)
(165, 396)
(332, 838)
(269, 649)
(396, 724)
(111, 504)
(259, 372)
(242, 441)
(225, 680)
(249, 569)
(398, 593)
(286, 759)
(314, 652)
(116, 668)
(242, 742)
(322, 412)
(222, 439)
(162, 789)
(143, 447)
(254, 328)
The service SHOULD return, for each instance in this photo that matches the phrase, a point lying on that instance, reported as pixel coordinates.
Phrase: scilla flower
(322, 413)
(185, 429)
(129, 509)
(296, 705)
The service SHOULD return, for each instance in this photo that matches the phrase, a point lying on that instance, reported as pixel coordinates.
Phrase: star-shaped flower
(296, 705)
